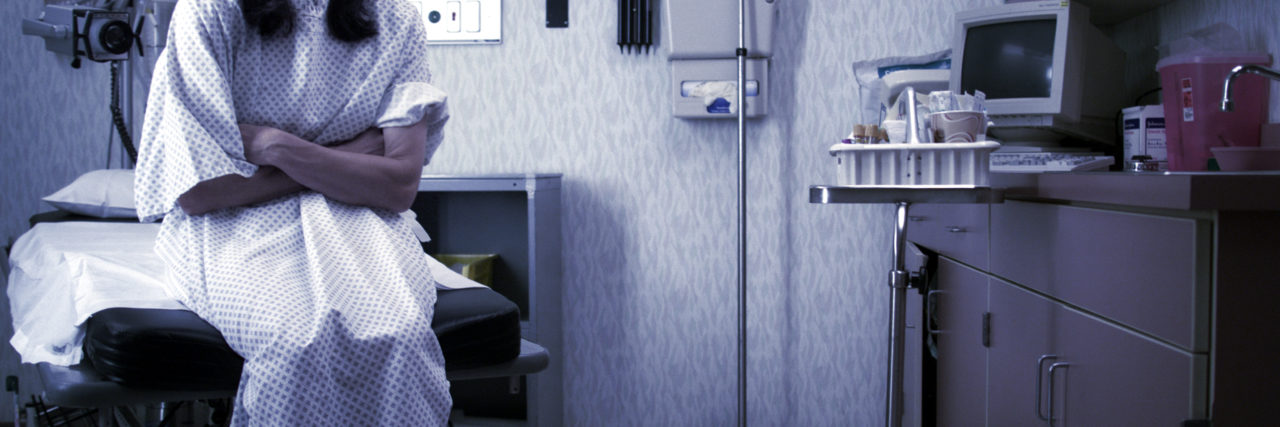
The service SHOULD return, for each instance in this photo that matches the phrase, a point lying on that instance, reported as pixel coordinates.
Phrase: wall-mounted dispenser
(461, 21)
(703, 39)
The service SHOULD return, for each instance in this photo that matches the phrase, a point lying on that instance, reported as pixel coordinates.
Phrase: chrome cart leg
(898, 279)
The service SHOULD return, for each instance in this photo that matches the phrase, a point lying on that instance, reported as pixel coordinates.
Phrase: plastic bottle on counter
(859, 135)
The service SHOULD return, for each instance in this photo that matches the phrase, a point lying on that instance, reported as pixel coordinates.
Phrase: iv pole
(742, 213)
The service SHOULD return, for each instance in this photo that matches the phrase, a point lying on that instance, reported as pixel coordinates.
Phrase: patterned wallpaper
(648, 200)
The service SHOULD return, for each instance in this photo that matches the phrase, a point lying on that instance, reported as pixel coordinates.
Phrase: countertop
(1204, 191)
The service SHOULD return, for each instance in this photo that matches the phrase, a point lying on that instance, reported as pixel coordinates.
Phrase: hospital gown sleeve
(411, 98)
(190, 133)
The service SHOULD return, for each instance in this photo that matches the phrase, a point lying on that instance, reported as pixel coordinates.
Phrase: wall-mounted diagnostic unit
(80, 31)
(703, 40)
(461, 21)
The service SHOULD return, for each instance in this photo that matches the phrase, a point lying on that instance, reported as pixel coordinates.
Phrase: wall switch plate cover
(461, 21)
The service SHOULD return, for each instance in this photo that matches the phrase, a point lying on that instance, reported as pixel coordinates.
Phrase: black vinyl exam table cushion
(175, 349)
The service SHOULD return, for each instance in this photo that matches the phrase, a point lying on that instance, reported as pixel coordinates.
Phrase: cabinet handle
(1039, 385)
(928, 310)
(1052, 368)
(955, 229)
(914, 218)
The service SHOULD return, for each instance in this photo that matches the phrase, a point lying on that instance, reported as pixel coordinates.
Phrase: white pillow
(105, 193)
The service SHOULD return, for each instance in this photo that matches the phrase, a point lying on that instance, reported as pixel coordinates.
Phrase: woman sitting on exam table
(281, 140)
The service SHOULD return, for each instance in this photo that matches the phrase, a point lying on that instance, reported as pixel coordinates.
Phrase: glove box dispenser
(708, 88)
(702, 37)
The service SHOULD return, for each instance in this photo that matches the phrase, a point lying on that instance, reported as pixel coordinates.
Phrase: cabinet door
(1022, 326)
(958, 304)
(1111, 377)
(1117, 378)
(912, 364)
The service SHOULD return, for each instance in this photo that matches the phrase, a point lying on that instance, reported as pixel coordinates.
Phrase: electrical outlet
(461, 21)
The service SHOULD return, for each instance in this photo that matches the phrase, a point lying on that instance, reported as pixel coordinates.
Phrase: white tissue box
(957, 163)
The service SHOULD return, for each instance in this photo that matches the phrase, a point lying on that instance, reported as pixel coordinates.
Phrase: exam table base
(80, 386)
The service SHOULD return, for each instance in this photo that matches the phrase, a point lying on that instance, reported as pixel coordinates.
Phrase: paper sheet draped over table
(64, 272)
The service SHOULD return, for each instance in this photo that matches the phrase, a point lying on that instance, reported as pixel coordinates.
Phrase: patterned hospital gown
(330, 304)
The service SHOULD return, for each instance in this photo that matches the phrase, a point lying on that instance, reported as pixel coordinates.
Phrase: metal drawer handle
(1039, 369)
(955, 229)
(1052, 368)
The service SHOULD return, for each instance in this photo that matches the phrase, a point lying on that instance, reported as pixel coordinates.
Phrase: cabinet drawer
(1143, 271)
(956, 230)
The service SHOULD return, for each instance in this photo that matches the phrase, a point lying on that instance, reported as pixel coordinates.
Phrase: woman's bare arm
(389, 181)
(267, 184)
(234, 190)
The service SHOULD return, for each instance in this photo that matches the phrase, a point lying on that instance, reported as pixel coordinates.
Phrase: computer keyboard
(1049, 162)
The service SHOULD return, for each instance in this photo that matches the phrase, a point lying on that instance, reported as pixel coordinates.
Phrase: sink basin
(1247, 158)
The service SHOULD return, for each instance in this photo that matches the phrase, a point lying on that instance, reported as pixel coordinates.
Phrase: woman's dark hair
(348, 20)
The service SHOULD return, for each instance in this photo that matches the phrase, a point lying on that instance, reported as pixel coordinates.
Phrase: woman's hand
(201, 199)
(234, 190)
(257, 140)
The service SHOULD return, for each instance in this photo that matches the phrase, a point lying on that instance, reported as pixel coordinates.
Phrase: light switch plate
(461, 21)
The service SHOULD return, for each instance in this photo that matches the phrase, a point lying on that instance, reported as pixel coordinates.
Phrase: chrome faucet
(1227, 105)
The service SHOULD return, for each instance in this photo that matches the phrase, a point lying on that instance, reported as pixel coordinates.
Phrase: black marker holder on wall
(557, 13)
(635, 25)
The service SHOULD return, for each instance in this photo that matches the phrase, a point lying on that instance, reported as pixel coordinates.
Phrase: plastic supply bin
(1192, 86)
(928, 164)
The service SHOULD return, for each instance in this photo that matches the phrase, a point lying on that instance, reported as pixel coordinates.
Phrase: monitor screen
(1009, 59)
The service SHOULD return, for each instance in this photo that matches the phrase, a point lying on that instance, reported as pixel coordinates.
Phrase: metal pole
(742, 213)
(897, 320)
(128, 102)
(126, 86)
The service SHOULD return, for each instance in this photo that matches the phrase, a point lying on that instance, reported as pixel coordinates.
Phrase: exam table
(144, 356)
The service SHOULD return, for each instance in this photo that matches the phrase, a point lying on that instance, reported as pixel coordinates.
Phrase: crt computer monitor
(1048, 73)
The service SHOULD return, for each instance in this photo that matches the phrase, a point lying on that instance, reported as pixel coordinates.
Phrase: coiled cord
(117, 117)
